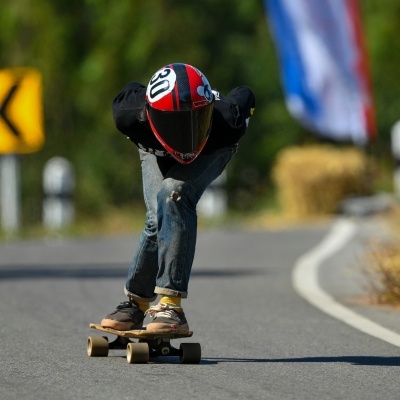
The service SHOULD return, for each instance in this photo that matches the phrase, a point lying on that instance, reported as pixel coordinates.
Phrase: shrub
(312, 180)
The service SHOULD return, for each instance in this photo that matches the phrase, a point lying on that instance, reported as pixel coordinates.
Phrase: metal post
(10, 193)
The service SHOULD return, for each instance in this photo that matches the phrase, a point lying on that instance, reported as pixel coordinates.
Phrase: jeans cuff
(170, 292)
(140, 298)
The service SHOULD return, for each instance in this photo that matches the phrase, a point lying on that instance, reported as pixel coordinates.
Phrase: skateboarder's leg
(163, 260)
(142, 274)
(177, 228)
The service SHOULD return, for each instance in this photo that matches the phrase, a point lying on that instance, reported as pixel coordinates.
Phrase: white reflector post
(10, 193)
(58, 187)
(214, 201)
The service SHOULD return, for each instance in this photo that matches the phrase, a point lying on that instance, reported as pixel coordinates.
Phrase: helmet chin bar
(183, 158)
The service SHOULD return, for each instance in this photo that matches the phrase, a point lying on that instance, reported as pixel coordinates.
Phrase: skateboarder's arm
(230, 117)
(126, 106)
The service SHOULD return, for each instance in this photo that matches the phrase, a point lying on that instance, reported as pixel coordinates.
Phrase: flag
(324, 68)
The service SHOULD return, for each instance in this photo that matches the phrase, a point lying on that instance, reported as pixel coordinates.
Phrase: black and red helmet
(179, 104)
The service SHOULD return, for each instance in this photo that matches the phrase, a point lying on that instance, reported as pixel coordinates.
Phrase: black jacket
(230, 118)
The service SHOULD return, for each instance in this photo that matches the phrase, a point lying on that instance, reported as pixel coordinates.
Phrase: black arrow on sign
(3, 108)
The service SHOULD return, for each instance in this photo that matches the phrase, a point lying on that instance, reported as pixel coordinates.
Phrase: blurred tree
(87, 50)
(382, 27)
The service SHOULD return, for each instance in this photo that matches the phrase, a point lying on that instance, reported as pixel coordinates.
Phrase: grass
(264, 214)
(114, 222)
(381, 265)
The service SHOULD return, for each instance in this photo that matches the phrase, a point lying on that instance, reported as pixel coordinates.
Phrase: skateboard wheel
(190, 353)
(137, 353)
(97, 346)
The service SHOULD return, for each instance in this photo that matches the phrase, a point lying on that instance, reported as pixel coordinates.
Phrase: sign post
(21, 131)
(10, 193)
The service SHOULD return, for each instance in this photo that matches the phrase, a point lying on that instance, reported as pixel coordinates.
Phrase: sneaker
(126, 317)
(166, 317)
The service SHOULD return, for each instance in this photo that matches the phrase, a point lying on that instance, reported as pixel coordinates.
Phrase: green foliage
(382, 27)
(87, 50)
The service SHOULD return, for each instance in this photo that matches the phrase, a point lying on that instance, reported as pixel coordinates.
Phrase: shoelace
(161, 309)
(125, 307)
(125, 304)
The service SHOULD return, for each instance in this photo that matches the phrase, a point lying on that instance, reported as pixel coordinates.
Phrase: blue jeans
(163, 259)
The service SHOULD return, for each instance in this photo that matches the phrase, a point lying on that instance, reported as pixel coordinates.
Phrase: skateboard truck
(150, 344)
(119, 343)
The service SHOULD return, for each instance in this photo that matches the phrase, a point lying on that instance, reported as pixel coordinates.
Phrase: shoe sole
(160, 326)
(119, 326)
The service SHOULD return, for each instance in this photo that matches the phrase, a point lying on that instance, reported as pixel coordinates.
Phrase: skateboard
(150, 344)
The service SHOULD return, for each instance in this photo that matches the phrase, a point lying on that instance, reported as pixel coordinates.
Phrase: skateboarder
(186, 134)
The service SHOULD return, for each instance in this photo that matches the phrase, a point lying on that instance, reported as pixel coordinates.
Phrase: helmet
(179, 106)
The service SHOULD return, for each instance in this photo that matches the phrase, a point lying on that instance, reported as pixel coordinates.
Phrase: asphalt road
(259, 339)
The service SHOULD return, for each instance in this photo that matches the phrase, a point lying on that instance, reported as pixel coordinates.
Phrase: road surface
(260, 339)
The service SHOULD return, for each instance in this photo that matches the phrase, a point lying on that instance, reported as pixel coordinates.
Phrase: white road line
(305, 282)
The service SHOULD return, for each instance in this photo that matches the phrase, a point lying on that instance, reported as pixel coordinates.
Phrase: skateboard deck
(143, 333)
(153, 343)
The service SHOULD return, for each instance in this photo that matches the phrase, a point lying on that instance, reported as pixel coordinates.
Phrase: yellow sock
(172, 301)
(143, 305)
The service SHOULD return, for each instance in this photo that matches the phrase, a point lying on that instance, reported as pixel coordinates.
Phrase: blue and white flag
(324, 67)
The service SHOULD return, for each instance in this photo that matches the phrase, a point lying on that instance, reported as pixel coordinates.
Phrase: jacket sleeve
(243, 102)
(126, 106)
(230, 117)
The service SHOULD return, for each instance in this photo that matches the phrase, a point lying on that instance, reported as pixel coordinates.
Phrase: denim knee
(175, 191)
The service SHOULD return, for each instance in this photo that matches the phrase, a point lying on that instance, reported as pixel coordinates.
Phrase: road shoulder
(329, 277)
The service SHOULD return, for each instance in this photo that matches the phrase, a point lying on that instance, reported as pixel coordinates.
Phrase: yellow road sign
(21, 110)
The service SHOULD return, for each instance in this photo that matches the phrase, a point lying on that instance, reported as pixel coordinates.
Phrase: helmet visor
(182, 131)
